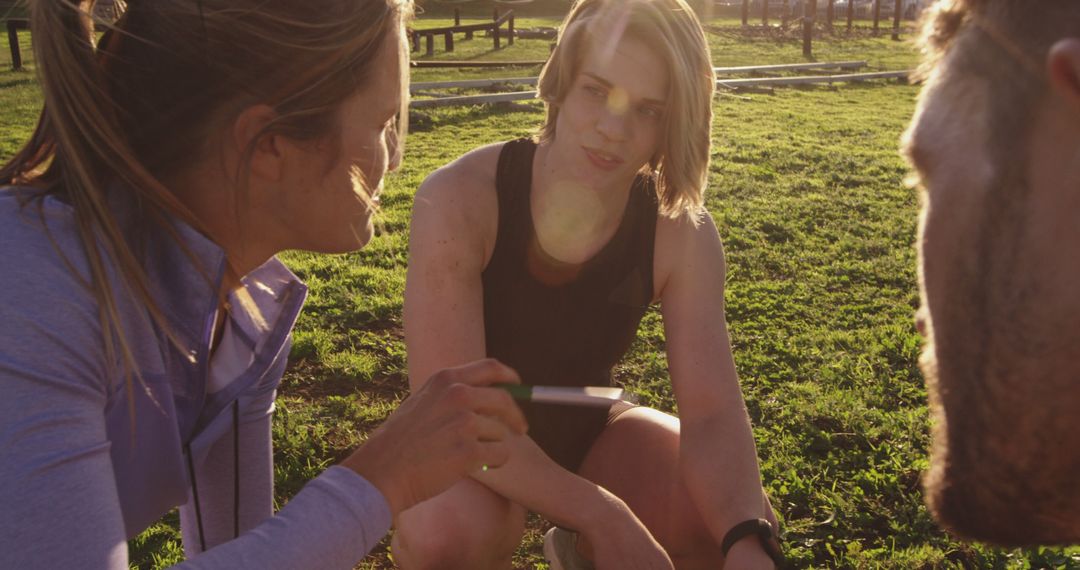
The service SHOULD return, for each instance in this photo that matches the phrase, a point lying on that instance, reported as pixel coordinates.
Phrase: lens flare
(618, 101)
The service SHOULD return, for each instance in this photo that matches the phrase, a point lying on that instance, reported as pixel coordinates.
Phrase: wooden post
(495, 14)
(430, 41)
(495, 34)
(784, 14)
(745, 11)
(510, 30)
(13, 27)
(448, 40)
(809, 12)
(850, 13)
(765, 12)
(830, 12)
(877, 16)
(896, 21)
(457, 16)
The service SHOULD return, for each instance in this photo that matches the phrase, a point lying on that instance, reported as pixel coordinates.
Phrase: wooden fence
(494, 27)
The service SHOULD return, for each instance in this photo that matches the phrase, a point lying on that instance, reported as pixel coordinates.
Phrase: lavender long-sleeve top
(81, 472)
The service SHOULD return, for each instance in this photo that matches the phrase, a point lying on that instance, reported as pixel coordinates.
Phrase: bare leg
(637, 459)
(467, 527)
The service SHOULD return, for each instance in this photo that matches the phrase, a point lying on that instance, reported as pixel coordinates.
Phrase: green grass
(806, 188)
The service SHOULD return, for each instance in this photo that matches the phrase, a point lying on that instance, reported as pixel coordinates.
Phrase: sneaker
(560, 550)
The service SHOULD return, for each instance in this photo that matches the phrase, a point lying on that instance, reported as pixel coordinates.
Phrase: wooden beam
(730, 84)
(480, 83)
(811, 79)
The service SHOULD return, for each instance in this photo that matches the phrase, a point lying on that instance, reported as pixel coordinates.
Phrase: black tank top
(560, 324)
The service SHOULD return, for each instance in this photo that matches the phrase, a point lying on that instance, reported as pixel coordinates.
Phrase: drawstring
(236, 467)
(236, 480)
(195, 497)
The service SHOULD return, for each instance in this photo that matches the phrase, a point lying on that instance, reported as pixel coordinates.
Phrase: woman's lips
(602, 160)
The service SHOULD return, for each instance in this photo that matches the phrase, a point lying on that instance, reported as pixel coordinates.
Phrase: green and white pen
(583, 396)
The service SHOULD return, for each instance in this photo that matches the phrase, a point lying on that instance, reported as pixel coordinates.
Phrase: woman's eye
(595, 91)
(650, 112)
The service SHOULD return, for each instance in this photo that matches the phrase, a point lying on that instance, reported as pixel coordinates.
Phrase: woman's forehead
(629, 63)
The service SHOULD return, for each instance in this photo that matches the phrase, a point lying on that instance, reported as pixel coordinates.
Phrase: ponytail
(76, 150)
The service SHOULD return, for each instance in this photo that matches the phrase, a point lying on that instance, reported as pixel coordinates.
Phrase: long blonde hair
(671, 29)
(122, 115)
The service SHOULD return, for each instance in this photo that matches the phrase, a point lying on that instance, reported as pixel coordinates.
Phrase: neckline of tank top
(603, 252)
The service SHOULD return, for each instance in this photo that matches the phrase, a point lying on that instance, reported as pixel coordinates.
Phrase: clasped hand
(453, 426)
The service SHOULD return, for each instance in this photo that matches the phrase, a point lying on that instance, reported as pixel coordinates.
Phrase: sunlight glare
(618, 101)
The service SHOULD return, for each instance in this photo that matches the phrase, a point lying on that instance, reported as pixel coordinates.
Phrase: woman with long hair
(146, 322)
(545, 253)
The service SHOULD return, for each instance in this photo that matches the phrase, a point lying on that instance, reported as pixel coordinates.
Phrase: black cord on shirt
(236, 480)
(236, 467)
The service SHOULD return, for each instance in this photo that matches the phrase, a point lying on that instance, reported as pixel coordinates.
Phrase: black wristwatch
(765, 533)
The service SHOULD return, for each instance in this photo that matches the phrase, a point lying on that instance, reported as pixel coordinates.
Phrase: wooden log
(448, 41)
(730, 84)
(850, 13)
(472, 99)
(830, 13)
(510, 30)
(813, 79)
(480, 83)
(429, 40)
(765, 12)
(745, 12)
(877, 16)
(450, 64)
(457, 16)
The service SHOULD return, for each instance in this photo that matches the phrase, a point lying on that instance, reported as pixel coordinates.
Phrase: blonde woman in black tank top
(545, 254)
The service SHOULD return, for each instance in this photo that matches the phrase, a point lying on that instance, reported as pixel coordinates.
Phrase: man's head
(996, 143)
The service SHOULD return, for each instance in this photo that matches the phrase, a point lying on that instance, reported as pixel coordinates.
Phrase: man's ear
(267, 153)
(1063, 67)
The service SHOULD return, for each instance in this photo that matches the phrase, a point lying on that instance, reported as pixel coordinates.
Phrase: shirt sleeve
(59, 506)
(335, 520)
(309, 532)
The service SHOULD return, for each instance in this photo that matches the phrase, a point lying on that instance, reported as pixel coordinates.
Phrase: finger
(499, 404)
(488, 429)
(490, 454)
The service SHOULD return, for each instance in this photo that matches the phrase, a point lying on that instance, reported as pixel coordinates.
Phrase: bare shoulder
(686, 245)
(467, 183)
(458, 201)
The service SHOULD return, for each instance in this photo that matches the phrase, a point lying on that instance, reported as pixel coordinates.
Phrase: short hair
(672, 30)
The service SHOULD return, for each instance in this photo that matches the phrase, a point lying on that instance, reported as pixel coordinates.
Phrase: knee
(444, 539)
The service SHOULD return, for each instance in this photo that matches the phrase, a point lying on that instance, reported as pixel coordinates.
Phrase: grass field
(806, 188)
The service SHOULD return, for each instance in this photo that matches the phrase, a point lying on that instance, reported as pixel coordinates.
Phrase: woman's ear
(267, 153)
(1063, 67)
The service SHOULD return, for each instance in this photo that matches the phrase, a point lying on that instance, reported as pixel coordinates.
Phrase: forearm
(331, 523)
(719, 465)
(530, 478)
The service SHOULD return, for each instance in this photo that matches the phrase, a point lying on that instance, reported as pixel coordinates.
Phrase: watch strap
(760, 528)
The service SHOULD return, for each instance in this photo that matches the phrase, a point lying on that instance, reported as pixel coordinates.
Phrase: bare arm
(719, 460)
(454, 226)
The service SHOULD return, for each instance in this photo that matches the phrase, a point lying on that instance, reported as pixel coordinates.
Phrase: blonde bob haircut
(672, 31)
